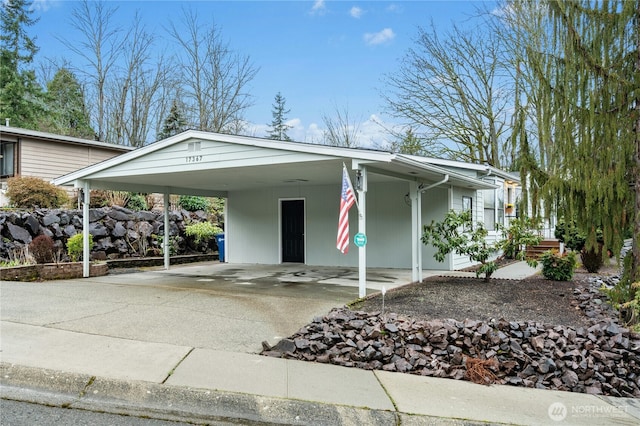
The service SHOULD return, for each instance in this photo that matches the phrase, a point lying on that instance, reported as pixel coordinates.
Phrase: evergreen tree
(174, 123)
(279, 127)
(20, 95)
(587, 85)
(67, 111)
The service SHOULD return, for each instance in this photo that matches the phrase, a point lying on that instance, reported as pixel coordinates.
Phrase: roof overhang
(236, 163)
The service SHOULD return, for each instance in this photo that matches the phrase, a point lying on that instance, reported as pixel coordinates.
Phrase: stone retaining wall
(117, 232)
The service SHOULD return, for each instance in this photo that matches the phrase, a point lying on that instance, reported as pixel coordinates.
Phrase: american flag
(347, 199)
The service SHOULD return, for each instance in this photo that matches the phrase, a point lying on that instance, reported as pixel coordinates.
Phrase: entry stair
(534, 252)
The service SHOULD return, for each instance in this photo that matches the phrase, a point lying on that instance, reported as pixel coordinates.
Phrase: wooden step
(534, 252)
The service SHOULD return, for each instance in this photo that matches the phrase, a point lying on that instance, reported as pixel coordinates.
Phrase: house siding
(253, 225)
(49, 160)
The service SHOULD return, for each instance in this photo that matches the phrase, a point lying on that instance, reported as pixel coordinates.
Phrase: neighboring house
(45, 155)
(282, 198)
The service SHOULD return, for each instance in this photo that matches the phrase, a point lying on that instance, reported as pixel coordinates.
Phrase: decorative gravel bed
(563, 336)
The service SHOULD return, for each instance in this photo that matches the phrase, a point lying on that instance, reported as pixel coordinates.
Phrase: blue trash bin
(220, 242)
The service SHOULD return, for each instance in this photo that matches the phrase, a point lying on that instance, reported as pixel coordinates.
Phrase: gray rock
(70, 230)
(32, 225)
(119, 230)
(18, 233)
(50, 218)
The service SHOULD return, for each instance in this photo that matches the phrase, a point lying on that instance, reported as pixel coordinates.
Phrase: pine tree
(20, 95)
(279, 127)
(67, 110)
(174, 123)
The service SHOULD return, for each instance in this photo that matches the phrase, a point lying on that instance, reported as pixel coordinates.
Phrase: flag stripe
(347, 199)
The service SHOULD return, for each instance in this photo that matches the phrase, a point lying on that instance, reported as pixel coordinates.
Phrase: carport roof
(212, 164)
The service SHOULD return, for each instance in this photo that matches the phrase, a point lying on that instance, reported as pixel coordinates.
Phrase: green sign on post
(360, 239)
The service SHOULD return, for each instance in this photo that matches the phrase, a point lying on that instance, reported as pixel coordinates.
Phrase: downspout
(433, 185)
(422, 189)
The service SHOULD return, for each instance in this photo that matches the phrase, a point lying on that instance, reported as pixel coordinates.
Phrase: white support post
(415, 231)
(362, 228)
(419, 247)
(166, 244)
(86, 266)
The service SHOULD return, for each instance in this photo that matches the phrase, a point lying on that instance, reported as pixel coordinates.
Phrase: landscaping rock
(602, 358)
(117, 232)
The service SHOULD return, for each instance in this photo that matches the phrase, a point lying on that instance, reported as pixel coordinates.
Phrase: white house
(282, 198)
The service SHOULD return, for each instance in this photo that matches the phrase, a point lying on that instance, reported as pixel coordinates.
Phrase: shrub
(42, 249)
(521, 232)
(99, 198)
(449, 236)
(558, 267)
(202, 231)
(192, 203)
(30, 192)
(137, 202)
(592, 259)
(74, 246)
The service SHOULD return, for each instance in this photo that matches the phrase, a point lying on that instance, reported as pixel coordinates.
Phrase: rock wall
(117, 232)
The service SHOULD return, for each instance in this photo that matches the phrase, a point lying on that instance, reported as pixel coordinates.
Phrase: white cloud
(43, 5)
(356, 12)
(381, 37)
(318, 7)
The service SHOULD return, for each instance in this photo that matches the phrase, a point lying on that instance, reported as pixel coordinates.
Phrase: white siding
(460, 262)
(253, 229)
(194, 155)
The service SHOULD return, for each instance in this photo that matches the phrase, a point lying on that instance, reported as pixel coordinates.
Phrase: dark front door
(292, 230)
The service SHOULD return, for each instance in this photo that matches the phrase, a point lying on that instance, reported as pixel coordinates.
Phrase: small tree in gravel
(457, 233)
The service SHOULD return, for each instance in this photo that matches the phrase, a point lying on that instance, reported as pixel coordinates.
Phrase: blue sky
(321, 55)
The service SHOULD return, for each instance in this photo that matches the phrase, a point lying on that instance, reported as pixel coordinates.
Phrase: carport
(258, 177)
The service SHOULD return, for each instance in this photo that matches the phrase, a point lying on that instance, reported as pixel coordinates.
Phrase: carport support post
(416, 267)
(86, 199)
(362, 228)
(167, 232)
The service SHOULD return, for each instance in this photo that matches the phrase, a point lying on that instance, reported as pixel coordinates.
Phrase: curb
(165, 402)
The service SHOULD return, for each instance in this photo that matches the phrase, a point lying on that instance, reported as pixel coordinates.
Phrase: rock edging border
(51, 271)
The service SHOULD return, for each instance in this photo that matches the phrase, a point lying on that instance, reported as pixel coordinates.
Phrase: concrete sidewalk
(65, 367)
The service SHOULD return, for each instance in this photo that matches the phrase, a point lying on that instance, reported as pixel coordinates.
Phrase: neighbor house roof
(20, 132)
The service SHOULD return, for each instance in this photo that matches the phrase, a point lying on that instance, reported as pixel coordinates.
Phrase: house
(45, 155)
(282, 198)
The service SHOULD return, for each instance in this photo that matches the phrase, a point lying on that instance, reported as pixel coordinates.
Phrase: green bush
(202, 231)
(592, 259)
(558, 267)
(29, 192)
(42, 249)
(137, 202)
(193, 203)
(74, 246)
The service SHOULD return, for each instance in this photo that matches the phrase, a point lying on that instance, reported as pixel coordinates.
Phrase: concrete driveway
(209, 305)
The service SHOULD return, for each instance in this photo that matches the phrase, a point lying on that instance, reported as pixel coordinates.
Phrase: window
(467, 206)
(7, 159)
(493, 205)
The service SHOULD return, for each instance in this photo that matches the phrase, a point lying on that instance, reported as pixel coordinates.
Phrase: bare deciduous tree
(455, 93)
(215, 78)
(101, 48)
(340, 130)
